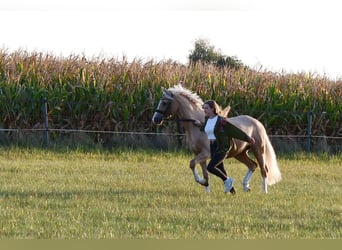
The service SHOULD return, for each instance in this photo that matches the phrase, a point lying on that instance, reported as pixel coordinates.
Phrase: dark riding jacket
(224, 131)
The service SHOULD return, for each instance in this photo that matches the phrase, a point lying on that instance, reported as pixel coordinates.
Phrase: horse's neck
(191, 113)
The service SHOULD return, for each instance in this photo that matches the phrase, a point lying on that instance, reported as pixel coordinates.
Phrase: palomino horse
(187, 106)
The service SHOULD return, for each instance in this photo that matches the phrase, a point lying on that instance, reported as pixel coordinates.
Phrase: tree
(206, 53)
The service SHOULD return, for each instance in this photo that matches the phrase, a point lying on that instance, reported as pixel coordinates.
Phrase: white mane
(193, 97)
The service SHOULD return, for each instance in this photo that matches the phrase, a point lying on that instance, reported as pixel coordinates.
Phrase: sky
(288, 36)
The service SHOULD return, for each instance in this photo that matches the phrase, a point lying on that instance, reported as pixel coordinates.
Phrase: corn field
(116, 95)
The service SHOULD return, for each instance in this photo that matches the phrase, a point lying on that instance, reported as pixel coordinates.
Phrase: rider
(220, 133)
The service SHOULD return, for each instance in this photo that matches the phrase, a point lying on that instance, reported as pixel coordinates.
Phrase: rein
(185, 120)
(181, 120)
(171, 117)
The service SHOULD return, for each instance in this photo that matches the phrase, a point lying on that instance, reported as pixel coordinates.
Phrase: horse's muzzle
(157, 118)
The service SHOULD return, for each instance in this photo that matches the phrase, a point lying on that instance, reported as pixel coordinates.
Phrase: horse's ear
(167, 94)
(162, 88)
(225, 111)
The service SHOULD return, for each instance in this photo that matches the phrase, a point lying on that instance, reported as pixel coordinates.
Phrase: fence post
(180, 131)
(308, 140)
(46, 123)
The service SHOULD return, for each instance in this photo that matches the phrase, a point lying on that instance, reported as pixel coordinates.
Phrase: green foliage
(206, 53)
(152, 195)
(117, 95)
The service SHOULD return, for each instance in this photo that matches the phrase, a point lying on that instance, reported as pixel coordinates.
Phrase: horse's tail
(273, 173)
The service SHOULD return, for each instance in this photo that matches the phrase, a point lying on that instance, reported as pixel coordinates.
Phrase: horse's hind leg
(263, 168)
(252, 165)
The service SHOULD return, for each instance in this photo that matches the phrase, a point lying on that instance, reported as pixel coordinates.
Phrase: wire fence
(169, 137)
(165, 140)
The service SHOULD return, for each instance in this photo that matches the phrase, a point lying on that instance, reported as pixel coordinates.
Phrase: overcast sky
(279, 35)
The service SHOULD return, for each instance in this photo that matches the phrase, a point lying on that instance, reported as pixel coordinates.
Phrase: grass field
(77, 194)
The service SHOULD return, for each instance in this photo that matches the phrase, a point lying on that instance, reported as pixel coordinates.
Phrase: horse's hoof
(246, 189)
(232, 191)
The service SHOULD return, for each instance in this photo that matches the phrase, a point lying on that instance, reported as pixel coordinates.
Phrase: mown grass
(151, 195)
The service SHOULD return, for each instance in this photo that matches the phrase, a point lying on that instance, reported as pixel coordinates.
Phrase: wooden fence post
(308, 138)
(46, 123)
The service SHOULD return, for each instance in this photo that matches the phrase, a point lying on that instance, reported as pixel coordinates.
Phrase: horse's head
(164, 108)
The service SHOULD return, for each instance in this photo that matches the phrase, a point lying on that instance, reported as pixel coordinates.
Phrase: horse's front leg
(205, 180)
(205, 175)
(197, 177)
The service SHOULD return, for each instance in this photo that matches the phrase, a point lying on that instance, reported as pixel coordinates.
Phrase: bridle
(166, 112)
